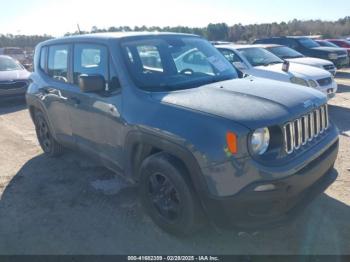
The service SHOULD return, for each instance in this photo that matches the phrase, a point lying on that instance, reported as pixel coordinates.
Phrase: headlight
(299, 81)
(333, 56)
(260, 141)
(312, 83)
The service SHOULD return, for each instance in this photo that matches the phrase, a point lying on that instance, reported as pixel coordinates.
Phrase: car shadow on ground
(54, 206)
(343, 75)
(340, 116)
(343, 88)
(11, 105)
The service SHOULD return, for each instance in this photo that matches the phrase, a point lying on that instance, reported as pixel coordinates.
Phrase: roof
(112, 35)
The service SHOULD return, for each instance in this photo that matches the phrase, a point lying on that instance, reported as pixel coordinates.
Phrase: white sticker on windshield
(218, 63)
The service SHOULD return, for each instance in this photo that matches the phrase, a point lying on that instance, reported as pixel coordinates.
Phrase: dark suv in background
(311, 48)
(169, 113)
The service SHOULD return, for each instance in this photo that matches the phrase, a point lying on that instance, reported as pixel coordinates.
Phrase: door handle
(75, 100)
(45, 90)
(52, 91)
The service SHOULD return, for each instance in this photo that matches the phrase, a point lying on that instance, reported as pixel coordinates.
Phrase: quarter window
(90, 59)
(58, 62)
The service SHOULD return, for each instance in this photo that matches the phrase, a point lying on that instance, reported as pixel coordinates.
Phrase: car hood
(310, 61)
(251, 102)
(298, 70)
(14, 75)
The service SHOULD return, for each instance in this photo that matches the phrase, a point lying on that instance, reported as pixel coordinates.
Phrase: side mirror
(285, 66)
(91, 83)
(240, 73)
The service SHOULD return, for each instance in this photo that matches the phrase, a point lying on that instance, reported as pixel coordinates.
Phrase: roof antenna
(79, 29)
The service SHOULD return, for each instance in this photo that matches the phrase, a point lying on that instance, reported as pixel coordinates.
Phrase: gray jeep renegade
(170, 113)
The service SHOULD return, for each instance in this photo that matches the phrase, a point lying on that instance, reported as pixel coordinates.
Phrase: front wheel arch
(151, 144)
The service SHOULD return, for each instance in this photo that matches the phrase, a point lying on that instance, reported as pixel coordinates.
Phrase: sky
(57, 17)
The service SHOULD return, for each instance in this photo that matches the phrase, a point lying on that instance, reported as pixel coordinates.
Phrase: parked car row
(341, 43)
(14, 78)
(260, 61)
(311, 48)
(202, 140)
(25, 57)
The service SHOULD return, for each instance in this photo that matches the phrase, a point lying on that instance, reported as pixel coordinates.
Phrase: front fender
(168, 143)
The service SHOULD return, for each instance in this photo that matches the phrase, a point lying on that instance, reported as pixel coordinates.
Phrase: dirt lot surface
(71, 206)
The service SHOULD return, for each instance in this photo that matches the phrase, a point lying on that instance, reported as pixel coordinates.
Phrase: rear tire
(47, 142)
(168, 196)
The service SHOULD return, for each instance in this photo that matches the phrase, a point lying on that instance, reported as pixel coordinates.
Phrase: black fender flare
(163, 143)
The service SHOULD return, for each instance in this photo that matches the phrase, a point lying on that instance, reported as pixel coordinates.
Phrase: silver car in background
(14, 78)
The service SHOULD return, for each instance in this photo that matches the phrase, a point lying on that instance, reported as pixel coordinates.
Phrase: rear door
(54, 64)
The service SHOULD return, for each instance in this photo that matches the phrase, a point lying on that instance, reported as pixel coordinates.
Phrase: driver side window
(90, 59)
(58, 62)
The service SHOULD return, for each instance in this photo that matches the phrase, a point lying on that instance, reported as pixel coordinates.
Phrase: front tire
(168, 196)
(47, 142)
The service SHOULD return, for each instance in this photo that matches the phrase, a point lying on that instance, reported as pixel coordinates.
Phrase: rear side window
(43, 54)
(90, 59)
(58, 62)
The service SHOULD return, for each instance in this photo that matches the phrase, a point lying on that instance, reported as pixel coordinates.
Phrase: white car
(195, 60)
(259, 62)
(14, 52)
(291, 55)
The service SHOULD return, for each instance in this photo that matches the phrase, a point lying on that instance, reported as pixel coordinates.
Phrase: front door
(95, 117)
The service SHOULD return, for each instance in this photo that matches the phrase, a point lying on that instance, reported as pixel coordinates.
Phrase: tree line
(215, 32)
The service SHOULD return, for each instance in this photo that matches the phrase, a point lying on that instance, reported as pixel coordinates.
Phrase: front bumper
(251, 209)
(329, 90)
(13, 92)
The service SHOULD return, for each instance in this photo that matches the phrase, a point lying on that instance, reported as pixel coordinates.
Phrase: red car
(341, 43)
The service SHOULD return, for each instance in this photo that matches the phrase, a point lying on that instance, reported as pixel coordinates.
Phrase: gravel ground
(71, 206)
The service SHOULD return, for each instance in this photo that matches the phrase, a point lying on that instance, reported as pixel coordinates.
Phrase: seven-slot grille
(303, 130)
(329, 67)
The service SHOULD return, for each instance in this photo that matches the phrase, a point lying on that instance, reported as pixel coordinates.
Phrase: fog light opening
(264, 188)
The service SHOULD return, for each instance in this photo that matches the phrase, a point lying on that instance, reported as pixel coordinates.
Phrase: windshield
(308, 43)
(284, 52)
(160, 63)
(8, 64)
(326, 43)
(259, 56)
